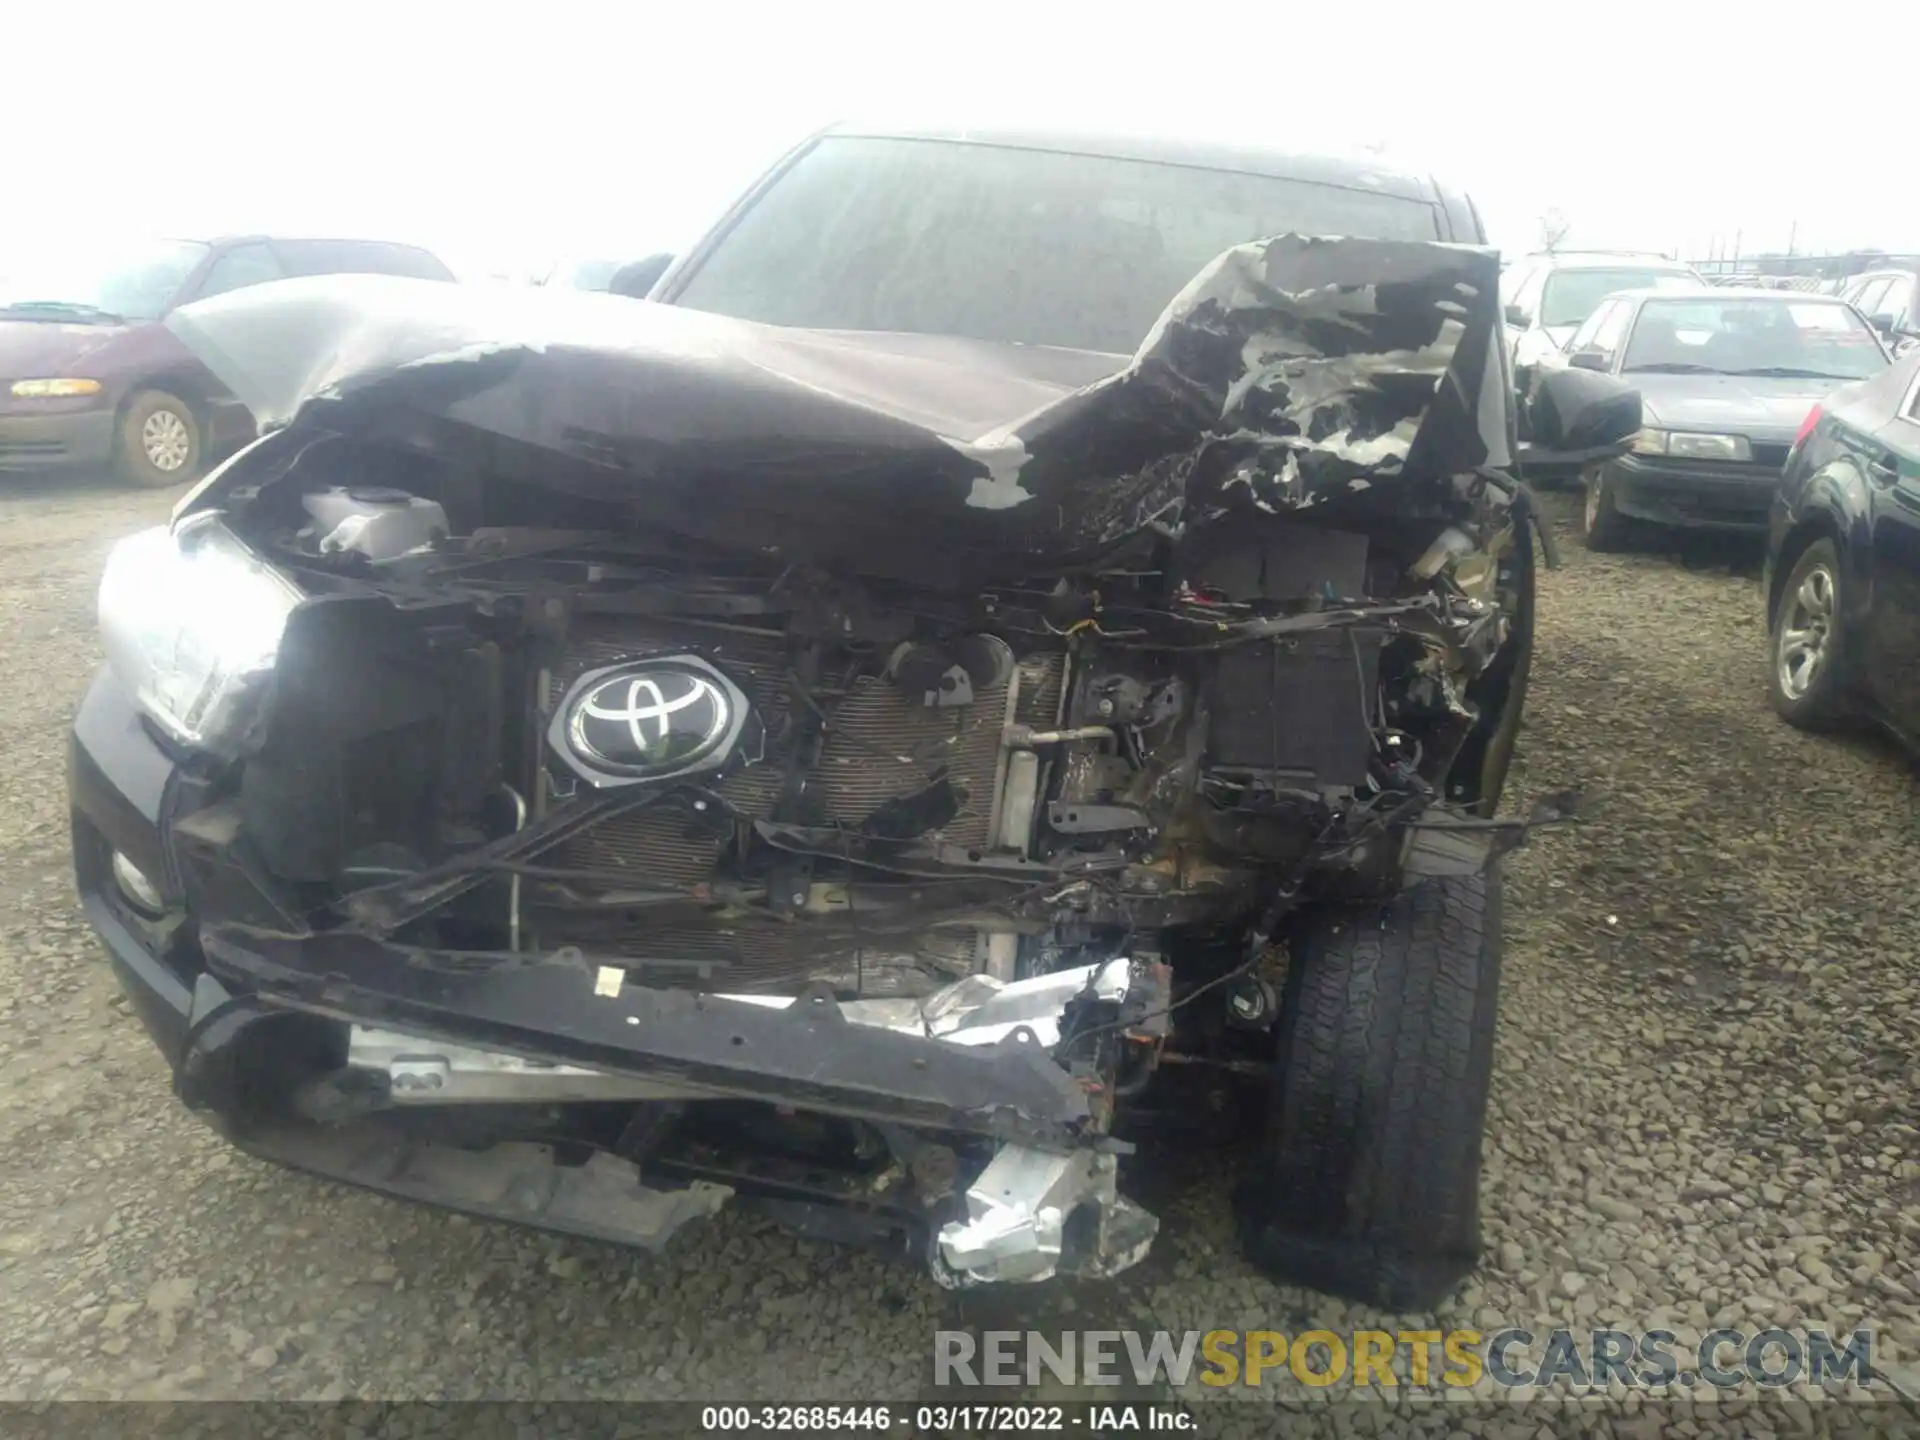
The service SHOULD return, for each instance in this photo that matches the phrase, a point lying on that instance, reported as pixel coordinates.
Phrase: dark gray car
(1725, 378)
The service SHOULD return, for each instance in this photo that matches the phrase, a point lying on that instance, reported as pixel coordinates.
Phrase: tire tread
(1368, 1186)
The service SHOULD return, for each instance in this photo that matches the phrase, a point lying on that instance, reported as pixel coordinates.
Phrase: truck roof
(1349, 172)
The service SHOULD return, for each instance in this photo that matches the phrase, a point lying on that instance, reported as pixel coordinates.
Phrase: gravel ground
(1704, 1110)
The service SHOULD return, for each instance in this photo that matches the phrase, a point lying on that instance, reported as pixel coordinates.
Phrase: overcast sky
(502, 133)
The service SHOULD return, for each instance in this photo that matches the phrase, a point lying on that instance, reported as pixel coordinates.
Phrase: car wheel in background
(159, 442)
(1803, 673)
(1368, 1183)
(1602, 526)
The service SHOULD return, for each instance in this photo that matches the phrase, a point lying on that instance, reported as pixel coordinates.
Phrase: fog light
(141, 892)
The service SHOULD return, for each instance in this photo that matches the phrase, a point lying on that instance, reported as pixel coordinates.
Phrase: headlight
(50, 389)
(191, 621)
(1709, 447)
(1690, 445)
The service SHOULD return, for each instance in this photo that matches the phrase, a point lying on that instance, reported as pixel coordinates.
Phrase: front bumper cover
(55, 436)
(1695, 495)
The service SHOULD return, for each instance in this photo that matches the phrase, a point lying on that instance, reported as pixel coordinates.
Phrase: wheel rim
(165, 440)
(1806, 633)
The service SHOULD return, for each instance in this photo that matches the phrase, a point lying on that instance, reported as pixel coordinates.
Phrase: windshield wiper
(1790, 372)
(1669, 367)
(64, 307)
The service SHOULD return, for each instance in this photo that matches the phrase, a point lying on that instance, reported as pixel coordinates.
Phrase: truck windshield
(997, 243)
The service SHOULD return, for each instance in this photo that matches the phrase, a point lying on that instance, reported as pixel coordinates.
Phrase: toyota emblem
(648, 720)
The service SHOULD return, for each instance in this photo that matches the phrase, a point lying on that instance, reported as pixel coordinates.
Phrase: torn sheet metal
(1346, 365)
(1289, 372)
(1016, 1223)
(981, 1010)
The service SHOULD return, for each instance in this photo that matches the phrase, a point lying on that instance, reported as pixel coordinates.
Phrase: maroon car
(89, 376)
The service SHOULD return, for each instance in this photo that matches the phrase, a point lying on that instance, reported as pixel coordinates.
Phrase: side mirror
(1517, 317)
(1886, 322)
(1580, 410)
(1589, 360)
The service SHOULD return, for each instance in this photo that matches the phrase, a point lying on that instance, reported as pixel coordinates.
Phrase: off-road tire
(1823, 704)
(1602, 525)
(131, 458)
(1367, 1184)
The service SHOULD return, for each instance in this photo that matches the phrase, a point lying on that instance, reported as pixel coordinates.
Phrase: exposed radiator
(879, 746)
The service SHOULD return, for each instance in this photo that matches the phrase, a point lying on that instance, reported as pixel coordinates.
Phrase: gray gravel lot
(1704, 1112)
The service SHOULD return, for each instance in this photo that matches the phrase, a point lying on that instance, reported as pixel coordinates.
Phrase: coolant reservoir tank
(373, 521)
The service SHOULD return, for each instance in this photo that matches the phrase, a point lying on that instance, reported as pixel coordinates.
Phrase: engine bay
(732, 772)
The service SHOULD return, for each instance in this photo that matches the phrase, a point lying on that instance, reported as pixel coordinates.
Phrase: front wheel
(159, 440)
(1804, 679)
(1368, 1182)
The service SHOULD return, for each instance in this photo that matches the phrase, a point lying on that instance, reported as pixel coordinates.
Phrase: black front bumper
(246, 1016)
(1694, 495)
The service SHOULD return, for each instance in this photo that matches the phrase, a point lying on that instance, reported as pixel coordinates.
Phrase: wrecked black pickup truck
(591, 762)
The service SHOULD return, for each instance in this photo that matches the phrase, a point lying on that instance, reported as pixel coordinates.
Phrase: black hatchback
(1843, 560)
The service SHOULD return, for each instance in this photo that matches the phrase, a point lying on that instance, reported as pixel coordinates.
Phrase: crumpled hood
(1763, 407)
(1288, 373)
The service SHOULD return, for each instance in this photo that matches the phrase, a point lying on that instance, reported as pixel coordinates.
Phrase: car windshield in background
(998, 243)
(358, 257)
(1806, 338)
(127, 285)
(1572, 295)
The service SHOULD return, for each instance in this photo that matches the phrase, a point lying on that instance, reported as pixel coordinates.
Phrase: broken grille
(878, 746)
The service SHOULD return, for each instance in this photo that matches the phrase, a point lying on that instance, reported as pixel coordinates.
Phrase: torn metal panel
(1288, 373)
(983, 1010)
(1017, 1213)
